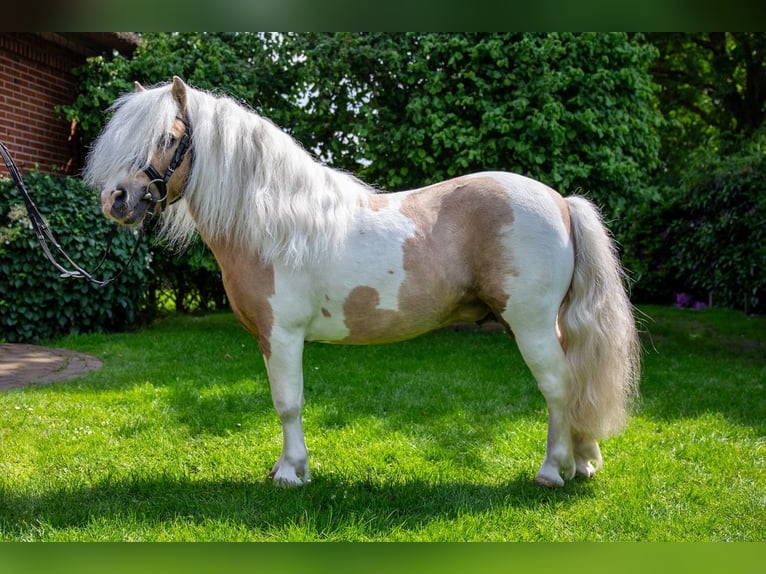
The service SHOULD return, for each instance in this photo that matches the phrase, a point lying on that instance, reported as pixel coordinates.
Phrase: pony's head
(140, 162)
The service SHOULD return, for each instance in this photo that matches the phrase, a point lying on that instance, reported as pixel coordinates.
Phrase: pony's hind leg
(587, 456)
(536, 337)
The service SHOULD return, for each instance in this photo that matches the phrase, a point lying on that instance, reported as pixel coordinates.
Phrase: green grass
(433, 439)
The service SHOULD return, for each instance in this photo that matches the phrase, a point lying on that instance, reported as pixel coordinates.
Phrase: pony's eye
(166, 142)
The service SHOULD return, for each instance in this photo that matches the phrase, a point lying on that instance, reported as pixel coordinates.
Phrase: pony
(310, 253)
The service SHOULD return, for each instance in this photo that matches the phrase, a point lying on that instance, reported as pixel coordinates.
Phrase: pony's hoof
(549, 481)
(586, 470)
(284, 479)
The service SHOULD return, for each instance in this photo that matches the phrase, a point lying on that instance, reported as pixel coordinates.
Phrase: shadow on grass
(325, 509)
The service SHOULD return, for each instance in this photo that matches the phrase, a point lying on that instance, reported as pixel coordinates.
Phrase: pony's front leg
(285, 368)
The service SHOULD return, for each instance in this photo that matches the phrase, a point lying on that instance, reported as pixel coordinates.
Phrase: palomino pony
(308, 253)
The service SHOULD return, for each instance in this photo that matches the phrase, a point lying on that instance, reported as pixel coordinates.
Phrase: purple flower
(682, 299)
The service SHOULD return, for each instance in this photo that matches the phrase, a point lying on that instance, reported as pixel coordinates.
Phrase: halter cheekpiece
(161, 182)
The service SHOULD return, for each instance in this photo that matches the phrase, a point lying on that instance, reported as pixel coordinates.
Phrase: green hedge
(705, 237)
(35, 303)
(720, 242)
(187, 282)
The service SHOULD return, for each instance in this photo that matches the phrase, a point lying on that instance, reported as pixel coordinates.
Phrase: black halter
(161, 182)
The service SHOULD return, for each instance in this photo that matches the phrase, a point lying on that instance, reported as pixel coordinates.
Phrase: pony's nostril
(118, 197)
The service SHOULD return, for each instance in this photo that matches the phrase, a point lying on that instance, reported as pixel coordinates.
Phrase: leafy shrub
(647, 250)
(707, 235)
(35, 304)
(191, 280)
(720, 242)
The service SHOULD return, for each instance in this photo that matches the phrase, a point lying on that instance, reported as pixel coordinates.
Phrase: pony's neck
(254, 187)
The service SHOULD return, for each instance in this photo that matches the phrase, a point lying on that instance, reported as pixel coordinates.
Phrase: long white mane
(250, 182)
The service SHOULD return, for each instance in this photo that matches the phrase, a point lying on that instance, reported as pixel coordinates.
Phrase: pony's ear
(179, 92)
(138, 86)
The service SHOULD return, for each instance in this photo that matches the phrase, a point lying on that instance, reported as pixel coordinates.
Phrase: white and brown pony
(309, 253)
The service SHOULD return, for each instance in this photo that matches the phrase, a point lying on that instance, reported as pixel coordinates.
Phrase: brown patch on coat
(375, 201)
(179, 179)
(564, 208)
(561, 334)
(249, 283)
(455, 264)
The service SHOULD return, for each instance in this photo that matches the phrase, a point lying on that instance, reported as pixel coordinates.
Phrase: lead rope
(44, 234)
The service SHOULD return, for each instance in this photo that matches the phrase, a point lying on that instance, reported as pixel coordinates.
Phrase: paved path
(21, 365)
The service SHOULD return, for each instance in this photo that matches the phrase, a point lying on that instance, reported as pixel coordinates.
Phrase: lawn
(435, 439)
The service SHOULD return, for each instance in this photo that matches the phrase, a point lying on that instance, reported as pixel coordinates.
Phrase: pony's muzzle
(118, 205)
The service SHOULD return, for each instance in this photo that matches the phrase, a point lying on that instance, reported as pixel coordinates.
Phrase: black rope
(44, 234)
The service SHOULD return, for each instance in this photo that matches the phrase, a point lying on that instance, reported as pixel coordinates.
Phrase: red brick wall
(35, 77)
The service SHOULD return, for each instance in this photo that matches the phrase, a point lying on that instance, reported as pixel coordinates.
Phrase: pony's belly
(362, 321)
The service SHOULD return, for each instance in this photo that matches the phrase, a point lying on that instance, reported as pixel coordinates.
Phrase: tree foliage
(404, 110)
(240, 65)
(573, 110)
(720, 242)
(704, 237)
(648, 126)
(712, 91)
(709, 213)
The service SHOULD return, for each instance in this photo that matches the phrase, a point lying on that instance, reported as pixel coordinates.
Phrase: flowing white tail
(598, 328)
